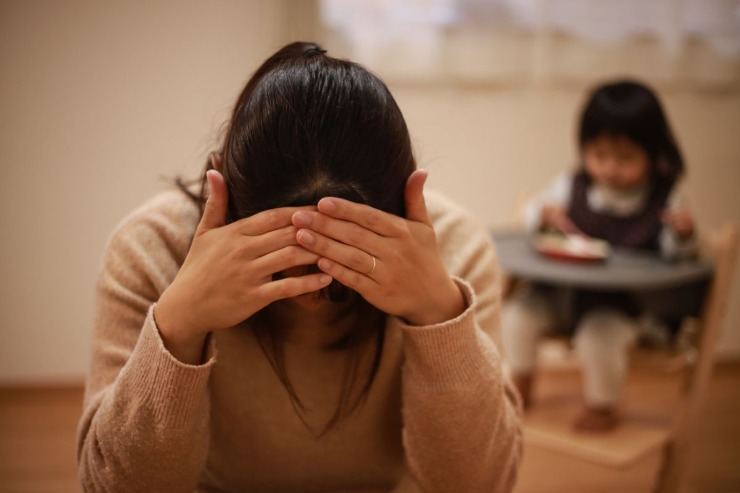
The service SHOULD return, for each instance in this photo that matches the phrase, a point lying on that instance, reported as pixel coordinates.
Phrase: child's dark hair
(626, 108)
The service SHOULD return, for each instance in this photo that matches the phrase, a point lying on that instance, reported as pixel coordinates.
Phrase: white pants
(601, 341)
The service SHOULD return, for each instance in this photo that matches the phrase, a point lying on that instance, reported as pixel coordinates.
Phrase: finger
(214, 212)
(566, 226)
(349, 277)
(258, 246)
(416, 207)
(349, 256)
(269, 220)
(345, 232)
(294, 286)
(685, 217)
(686, 224)
(375, 220)
(669, 219)
(285, 258)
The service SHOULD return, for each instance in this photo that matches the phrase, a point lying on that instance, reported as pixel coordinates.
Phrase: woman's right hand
(227, 274)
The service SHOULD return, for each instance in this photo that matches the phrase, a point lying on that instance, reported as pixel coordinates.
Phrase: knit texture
(439, 417)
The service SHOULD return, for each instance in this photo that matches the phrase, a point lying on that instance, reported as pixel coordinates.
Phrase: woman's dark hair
(630, 109)
(308, 126)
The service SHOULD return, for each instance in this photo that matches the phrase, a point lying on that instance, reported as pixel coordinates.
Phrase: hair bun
(314, 50)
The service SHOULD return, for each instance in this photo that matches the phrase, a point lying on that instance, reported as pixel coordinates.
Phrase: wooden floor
(37, 439)
(714, 460)
(37, 444)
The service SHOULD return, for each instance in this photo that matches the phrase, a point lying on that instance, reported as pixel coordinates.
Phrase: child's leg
(602, 339)
(525, 317)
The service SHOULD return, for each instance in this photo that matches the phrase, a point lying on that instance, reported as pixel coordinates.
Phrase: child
(624, 193)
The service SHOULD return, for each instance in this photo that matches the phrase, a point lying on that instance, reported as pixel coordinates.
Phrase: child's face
(617, 163)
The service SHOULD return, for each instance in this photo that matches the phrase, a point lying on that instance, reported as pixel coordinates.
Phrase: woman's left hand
(393, 262)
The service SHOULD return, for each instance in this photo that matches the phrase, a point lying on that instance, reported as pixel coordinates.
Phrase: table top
(623, 269)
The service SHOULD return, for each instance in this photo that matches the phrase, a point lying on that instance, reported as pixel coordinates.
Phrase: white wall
(102, 103)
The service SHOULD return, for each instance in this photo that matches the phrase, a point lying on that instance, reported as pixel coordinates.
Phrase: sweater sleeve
(145, 417)
(462, 429)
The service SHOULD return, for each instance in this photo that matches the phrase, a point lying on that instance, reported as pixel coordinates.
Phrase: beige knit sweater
(439, 417)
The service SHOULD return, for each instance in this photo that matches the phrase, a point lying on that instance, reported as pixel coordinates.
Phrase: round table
(622, 269)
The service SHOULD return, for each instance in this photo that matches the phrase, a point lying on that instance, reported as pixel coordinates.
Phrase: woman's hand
(681, 221)
(394, 263)
(227, 274)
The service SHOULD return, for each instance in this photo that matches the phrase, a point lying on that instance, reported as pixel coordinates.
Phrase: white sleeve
(671, 246)
(556, 194)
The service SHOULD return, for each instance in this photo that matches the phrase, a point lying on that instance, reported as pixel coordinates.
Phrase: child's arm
(678, 237)
(547, 209)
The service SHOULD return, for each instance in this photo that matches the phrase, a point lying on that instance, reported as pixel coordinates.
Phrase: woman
(304, 328)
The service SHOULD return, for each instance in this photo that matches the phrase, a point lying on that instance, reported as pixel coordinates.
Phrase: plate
(571, 248)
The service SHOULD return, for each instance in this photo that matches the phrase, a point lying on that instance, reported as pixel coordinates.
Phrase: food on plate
(577, 248)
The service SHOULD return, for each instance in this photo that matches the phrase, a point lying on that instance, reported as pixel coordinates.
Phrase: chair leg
(671, 468)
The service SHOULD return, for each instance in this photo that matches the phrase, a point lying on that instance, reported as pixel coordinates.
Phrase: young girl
(316, 325)
(624, 192)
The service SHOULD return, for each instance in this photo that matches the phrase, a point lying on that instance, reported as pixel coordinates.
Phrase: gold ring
(373, 267)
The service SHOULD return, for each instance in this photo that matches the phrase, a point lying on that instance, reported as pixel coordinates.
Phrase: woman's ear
(216, 161)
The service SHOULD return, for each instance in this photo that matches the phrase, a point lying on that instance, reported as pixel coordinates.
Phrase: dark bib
(640, 230)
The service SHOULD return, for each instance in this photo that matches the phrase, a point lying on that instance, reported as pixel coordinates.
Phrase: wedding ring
(373, 267)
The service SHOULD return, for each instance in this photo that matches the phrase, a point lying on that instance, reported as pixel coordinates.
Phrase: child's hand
(680, 221)
(556, 217)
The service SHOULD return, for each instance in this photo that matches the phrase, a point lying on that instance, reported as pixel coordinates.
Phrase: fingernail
(301, 219)
(327, 205)
(324, 264)
(324, 279)
(306, 237)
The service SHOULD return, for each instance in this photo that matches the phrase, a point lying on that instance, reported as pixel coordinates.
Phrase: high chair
(647, 427)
